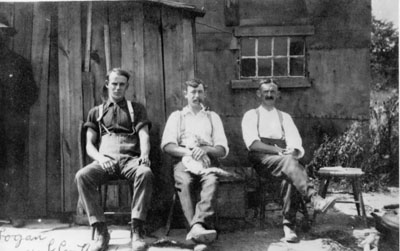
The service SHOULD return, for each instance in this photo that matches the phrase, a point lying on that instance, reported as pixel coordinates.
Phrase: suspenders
(181, 125)
(280, 121)
(101, 114)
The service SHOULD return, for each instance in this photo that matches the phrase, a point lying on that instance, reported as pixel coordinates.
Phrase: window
(277, 52)
(263, 57)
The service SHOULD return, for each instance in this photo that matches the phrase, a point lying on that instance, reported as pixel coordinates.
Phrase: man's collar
(187, 110)
(121, 103)
(263, 108)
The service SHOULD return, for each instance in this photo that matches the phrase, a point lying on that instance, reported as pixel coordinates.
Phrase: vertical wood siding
(154, 43)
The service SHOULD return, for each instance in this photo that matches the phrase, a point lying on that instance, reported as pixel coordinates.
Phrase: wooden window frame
(274, 31)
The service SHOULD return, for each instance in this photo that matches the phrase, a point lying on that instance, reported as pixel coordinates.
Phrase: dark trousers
(93, 175)
(204, 210)
(295, 184)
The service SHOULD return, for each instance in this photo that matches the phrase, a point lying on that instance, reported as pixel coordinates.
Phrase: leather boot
(102, 237)
(138, 243)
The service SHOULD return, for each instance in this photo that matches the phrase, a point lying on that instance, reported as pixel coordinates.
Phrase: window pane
(280, 67)
(264, 46)
(248, 46)
(248, 67)
(264, 67)
(296, 46)
(280, 46)
(296, 67)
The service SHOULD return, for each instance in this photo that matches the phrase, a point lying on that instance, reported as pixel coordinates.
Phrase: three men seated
(195, 138)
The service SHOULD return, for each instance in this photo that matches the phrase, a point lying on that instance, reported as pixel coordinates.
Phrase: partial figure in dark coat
(17, 94)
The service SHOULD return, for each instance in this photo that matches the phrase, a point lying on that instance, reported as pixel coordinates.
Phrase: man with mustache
(195, 123)
(275, 146)
(120, 129)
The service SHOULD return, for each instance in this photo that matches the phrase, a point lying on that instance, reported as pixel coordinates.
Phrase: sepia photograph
(218, 125)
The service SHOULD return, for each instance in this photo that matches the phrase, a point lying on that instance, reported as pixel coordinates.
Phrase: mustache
(269, 98)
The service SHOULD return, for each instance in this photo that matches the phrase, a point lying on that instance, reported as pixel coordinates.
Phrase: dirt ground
(339, 229)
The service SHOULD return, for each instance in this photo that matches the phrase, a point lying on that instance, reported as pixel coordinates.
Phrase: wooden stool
(354, 174)
(103, 190)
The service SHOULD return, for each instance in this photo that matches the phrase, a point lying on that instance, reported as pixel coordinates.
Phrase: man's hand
(291, 151)
(198, 153)
(144, 160)
(279, 150)
(108, 164)
(206, 160)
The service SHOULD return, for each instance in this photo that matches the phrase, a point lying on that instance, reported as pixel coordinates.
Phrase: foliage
(384, 54)
(372, 145)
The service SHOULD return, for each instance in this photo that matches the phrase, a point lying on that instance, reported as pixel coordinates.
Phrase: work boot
(290, 234)
(322, 205)
(201, 235)
(138, 243)
(102, 237)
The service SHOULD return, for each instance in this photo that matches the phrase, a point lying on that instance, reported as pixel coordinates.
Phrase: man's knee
(144, 173)
(80, 176)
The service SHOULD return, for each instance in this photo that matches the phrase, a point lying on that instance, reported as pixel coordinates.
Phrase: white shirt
(270, 127)
(197, 125)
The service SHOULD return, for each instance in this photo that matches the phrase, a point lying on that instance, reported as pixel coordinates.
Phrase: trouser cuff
(95, 219)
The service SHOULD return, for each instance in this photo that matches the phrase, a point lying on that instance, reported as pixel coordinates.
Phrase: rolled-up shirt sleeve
(91, 121)
(170, 134)
(292, 135)
(218, 136)
(141, 118)
(249, 128)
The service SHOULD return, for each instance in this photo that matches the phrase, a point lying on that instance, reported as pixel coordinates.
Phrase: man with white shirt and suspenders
(275, 146)
(117, 139)
(196, 133)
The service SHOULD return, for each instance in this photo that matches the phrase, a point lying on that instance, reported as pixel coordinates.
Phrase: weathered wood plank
(138, 54)
(38, 114)
(87, 76)
(7, 10)
(153, 77)
(107, 47)
(153, 65)
(114, 22)
(127, 45)
(70, 62)
(173, 43)
(98, 63)
(231, 13)
(189, 62)
(53, 125)
(275, 30)
(23, 24)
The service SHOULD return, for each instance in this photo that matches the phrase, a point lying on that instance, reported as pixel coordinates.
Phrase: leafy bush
(372, 146)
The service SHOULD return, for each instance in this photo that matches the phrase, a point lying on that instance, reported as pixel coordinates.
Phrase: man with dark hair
(18, 93)
(195, 135)
(120, 129)
(275, 146)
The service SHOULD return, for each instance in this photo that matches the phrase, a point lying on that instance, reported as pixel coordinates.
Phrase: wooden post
(38, 115)
(70, 97)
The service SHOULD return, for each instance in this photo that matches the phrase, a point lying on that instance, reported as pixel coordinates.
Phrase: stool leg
(356, 193)
(105, 197)
(364, 215)
(324, 188)
(262, 206)
(170, 214)
(92, 233)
